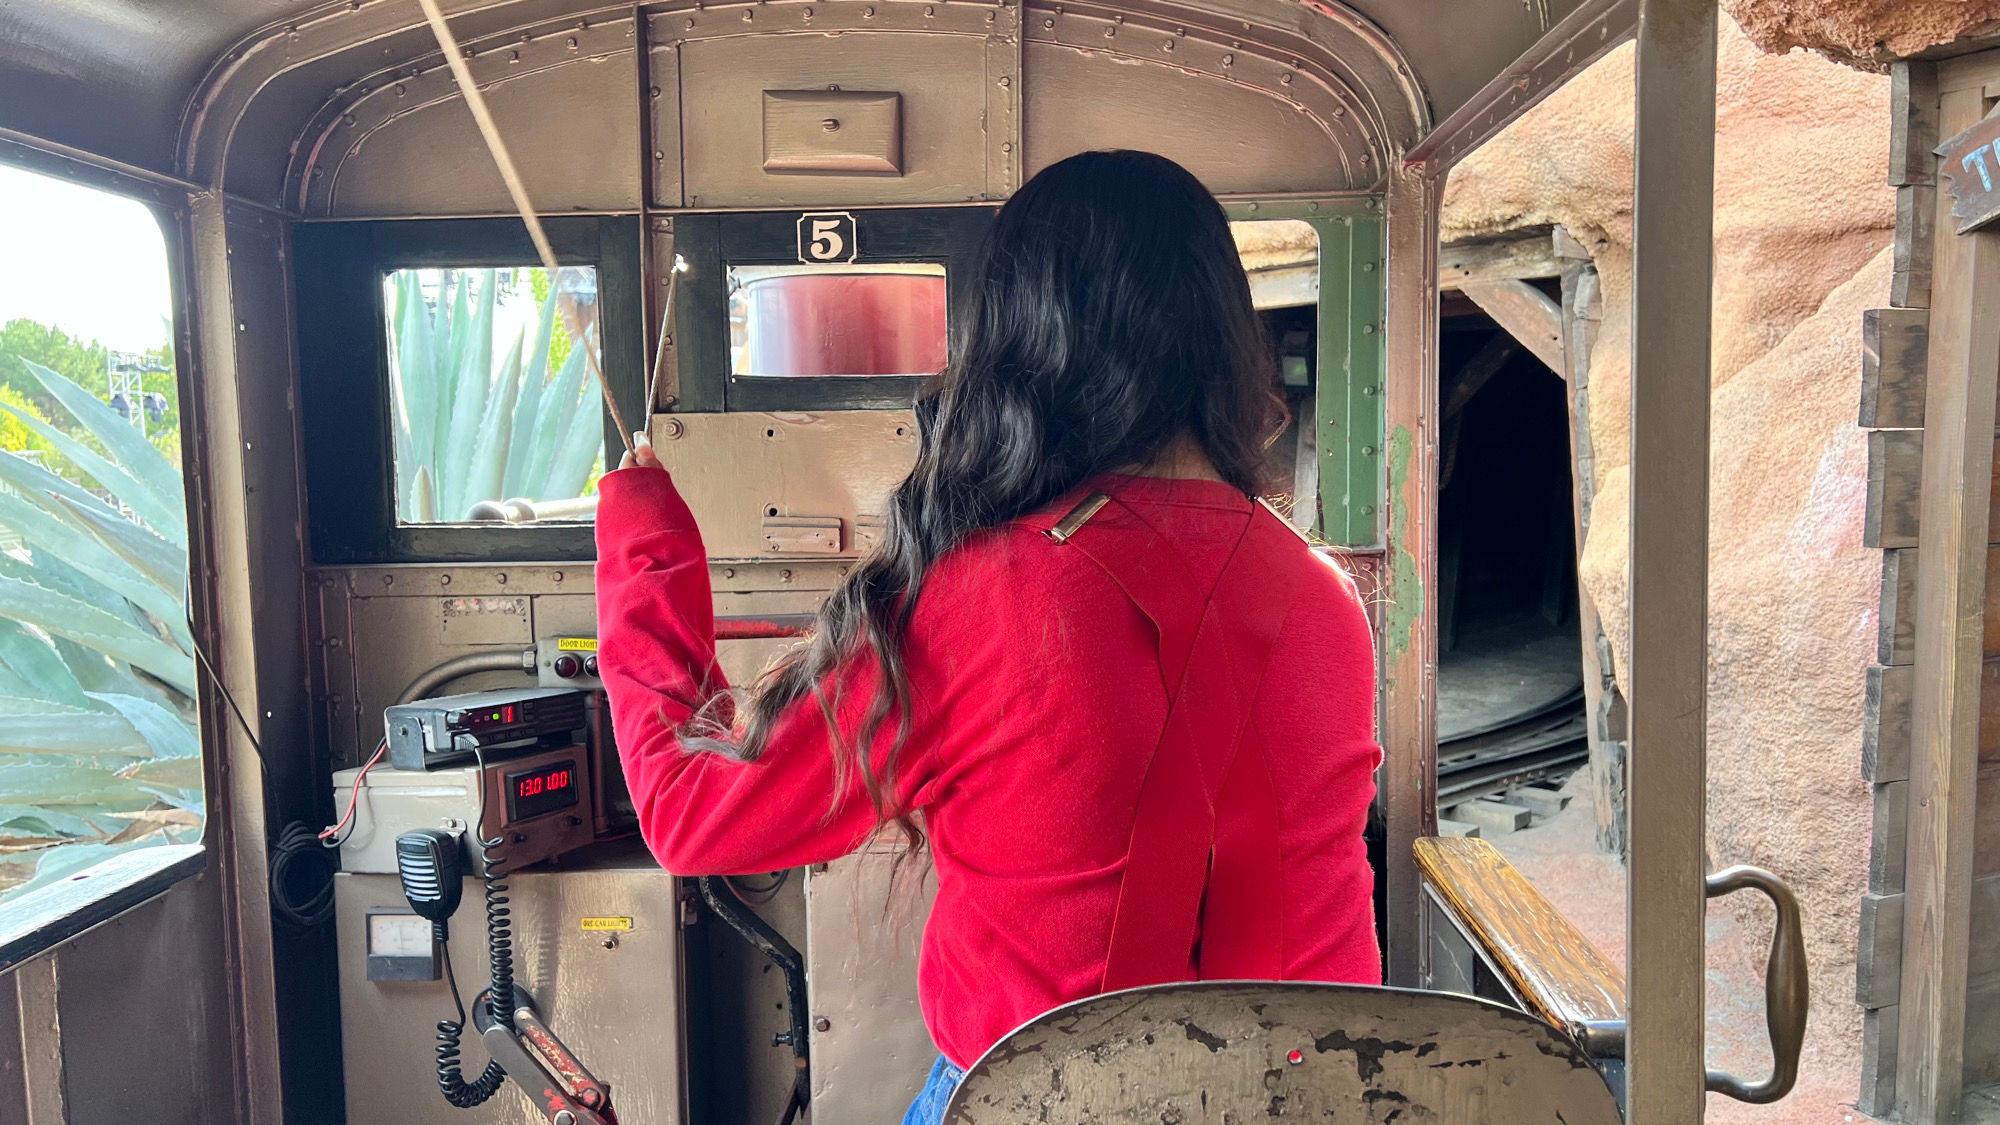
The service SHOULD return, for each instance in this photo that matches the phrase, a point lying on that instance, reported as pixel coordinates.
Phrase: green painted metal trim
(1351, 362)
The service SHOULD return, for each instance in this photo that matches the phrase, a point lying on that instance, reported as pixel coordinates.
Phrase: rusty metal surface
(1233, 1052)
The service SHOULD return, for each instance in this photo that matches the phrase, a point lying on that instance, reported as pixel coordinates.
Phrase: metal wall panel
(408, 147)
(612, 997)
(941, 76)
(1235, 138)
(871, 1051)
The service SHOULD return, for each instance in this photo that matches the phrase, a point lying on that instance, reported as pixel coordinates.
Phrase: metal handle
(1786, 987)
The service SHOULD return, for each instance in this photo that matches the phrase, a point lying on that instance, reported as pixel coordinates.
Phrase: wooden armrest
(1557, 974)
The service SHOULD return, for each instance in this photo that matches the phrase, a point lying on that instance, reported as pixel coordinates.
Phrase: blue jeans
(928, 1109)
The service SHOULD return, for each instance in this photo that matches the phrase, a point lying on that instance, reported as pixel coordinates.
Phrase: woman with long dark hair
(1127, 709)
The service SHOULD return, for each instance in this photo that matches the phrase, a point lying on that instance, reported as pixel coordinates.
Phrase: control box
(539, 805)
(567, 662)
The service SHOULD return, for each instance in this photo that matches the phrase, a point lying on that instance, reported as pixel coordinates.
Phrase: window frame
(344, 393)
(45, 918)
(712, 242)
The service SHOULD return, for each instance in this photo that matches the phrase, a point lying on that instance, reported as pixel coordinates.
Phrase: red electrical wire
(354, 794)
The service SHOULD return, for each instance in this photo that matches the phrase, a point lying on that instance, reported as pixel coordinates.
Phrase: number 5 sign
(827, 236)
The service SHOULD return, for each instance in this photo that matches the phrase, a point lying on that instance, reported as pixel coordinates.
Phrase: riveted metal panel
(937, 63)
(569, 107)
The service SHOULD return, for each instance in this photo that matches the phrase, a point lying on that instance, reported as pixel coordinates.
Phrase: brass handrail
(1787, 988)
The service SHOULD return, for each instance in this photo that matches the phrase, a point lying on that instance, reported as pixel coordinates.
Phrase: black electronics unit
(431, 734)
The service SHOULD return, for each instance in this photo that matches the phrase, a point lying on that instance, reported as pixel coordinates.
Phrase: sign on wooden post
(1970, 164)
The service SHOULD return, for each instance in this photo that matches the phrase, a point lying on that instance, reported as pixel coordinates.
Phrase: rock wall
(1864, 33)
(1803, 222)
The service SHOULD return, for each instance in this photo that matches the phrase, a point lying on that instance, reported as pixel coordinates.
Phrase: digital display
(544, 789)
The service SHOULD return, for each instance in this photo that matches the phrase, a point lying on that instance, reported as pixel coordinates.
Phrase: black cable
(500, 998)
(451, 1078)
(315, 909)
(758, 896)
(201, 657)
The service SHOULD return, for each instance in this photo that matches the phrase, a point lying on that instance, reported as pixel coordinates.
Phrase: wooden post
(1962, 379)
(1673, 215)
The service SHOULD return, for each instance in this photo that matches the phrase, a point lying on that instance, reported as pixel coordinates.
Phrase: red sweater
(1037, 704)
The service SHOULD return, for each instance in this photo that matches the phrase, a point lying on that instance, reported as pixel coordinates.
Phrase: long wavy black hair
(1110, 319)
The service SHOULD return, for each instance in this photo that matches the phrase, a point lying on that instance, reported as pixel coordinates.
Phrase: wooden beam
(1885, 727)
(1893, 344)
(1896, 489)
(1510, 257)
(1476, 373)
(1526, 313)
(1879, 955)
(1962, 381)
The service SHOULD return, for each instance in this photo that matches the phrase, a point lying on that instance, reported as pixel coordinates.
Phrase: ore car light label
(607, 923)
(576, 644)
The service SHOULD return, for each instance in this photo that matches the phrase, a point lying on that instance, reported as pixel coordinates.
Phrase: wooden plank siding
(1895, 488)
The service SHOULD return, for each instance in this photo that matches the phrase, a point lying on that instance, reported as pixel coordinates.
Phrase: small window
(99, 750)
(846, 321)
(493, 377)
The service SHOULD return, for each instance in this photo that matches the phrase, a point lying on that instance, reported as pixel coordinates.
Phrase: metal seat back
(1215, 1052)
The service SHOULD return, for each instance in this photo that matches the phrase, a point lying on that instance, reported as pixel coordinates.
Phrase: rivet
(831, 124)
(1370, 390)
(729, 572)
(1253, 206)
(570, 42)
(929, 11)
(784, 576)
(658, 155)
(1285, 79)
(1368, 267)
(501, 578)
(400, 91)
(1005, 82)
(467, 52)
(1367, 330)
(1340, 111)
(655, 90)
(1367, 509)
(808, 13)
(1048, 23)
(1180, 31)
(1368, 451)
(556, 577)
(347, 119)
(822, 1024)
(673, 428)
(444, 579)
(748, 16)
(388, 580)
(992, 18)
(1110, 31)
(513, 56)
(1229, 60)
(1167, 46)
(1312, 206)
(1005, 146)
(690, 24)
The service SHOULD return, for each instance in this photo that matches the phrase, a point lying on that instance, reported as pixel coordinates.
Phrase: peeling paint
(1405, 603)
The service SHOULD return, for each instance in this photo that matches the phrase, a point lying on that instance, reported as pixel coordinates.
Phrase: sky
(91, 263)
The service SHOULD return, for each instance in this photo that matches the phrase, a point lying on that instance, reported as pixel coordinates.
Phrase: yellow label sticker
(607, 923)
(576, 644)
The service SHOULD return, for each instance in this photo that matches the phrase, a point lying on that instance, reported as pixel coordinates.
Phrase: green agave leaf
(473, 387)
(157, 496)
(559, 405)
(55, 571)
(54, 783)
(521, 428)
(457, 333)
(27, 595)
(416, 382)
(46, 822)
(168, 734)
(582, 443)
(146, 552)
(39, 666)
(164, 773)
(63, 537)
(60, 863)
(35, 484)
(37, 726)
(489, 455)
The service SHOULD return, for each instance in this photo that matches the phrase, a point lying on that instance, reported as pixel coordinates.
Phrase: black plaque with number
(827, 236)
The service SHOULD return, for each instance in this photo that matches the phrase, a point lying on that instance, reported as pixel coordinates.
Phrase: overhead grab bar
(1786, 987)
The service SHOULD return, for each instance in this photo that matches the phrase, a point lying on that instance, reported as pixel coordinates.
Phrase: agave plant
(98, 748)
(469, 429)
